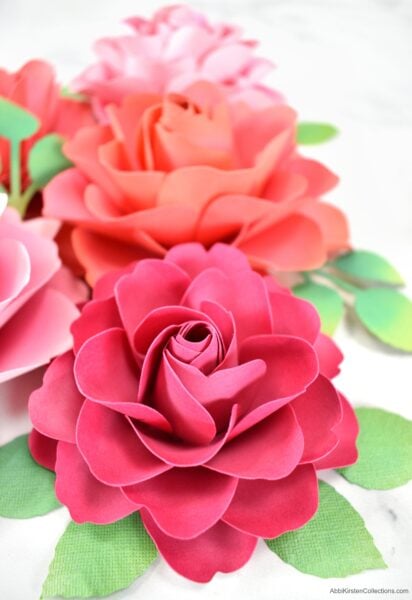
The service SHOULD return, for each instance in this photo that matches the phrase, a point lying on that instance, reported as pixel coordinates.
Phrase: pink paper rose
(174, 49)
(198, 393)
(37, 296)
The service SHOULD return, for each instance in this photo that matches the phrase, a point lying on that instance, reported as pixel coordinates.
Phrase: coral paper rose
(174, 169)
(198, 393)
(177, 47)
(37, 296)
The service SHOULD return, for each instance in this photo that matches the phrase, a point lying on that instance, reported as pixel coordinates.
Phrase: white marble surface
(345, 61)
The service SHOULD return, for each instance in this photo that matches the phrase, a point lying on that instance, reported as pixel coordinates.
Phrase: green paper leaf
(315, 133)
(327, 302)
(387, 314)
(368, 266)
(335, 543)
(16, 123)
(26, 488)
(98, 560)
(46, 159)
(385, 451)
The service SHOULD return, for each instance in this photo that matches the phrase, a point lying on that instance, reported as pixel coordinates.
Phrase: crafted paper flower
(37, 296)
(199, 394)
(34, 87)
(174, 49)
(174, 169)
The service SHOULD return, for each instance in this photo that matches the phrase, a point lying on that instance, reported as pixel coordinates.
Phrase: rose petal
(293, 316)
(318, 410)
(220, 548)
(87, 499)
(269, 450)
(270, 508)
(103, 433)
(345, 453)
(96, 317)
(329, 356)
(111, 352)
(43, 449)
(55, 407)
(184, 503)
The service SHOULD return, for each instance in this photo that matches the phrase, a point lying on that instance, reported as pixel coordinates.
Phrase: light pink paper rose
(169, 52)
(37, 295)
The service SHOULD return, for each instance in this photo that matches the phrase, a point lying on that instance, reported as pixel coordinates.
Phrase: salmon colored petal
(221, 548)
(269, 450)
(184, 503)
(293, 244)
(345, 453)
(103, 433)
(88, 500)
(319, 178)
(63, 197)
(318, 411)
(268, 509)
(54, 408)
(333, 224)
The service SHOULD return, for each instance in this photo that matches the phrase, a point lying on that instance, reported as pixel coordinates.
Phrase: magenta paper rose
(198, 393)
(37, 296)
(174, 49)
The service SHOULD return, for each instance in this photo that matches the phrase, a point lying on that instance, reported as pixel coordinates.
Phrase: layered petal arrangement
(198, 392)
(34, 87)
(172, 169)
(175, 48)
(37, 295)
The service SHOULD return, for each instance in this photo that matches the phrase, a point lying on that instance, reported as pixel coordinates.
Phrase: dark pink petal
(153, 283)
(269, 508)
(345, 453)
(193, 258)
(96, 316)
(318, 410)
(87, 499)
(175, 453)
(111, 448)
(104, 287)
(105, 370)
(246, 297)
(269, 450)
(184, 503)
(43, 449)
(329, 356)
(291, 363)
(220, 548)
(293, 316)
(54, 408)
(191, 422)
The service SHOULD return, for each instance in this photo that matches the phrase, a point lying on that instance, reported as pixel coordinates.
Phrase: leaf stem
(15, 183)
(340, 283)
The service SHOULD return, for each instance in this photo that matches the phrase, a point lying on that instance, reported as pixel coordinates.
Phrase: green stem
(344, 285)
(15, 179)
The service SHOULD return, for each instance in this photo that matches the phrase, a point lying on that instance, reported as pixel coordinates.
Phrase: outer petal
(111, 448)
(55, 407)
(269, 508)
(184, 503)
(37, 333)
(345, 453)
(318, 410)
(329, 356)
(43, 449)
(269, 450)
(220, 548)
(293, 316)
(87, 499)
(96, 316)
